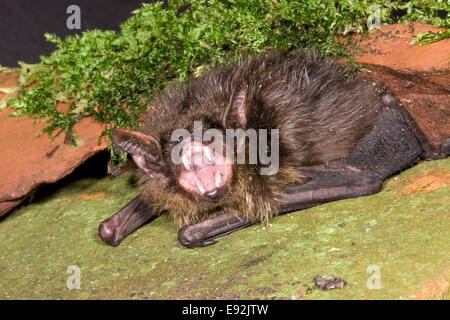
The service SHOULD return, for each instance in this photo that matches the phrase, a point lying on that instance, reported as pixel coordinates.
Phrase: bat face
(206, 170)
(200, 169)
(191, 154)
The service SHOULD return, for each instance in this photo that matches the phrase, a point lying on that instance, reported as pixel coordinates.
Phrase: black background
(24, 22)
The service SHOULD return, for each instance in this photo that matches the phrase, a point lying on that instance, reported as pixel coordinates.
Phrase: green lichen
(406, 236)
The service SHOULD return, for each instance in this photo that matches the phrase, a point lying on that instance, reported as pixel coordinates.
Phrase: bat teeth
(208, 154)
(200, 186)
(218, 179)
(186, 163)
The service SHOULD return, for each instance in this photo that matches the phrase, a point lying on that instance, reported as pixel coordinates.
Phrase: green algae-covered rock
(394, 245)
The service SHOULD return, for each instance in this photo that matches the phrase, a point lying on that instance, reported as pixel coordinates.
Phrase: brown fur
(321, 111)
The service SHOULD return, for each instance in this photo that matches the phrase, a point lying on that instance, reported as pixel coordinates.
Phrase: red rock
(6, 206)
(391, 47)
(419, 76)
(28, 161)
(423, 96)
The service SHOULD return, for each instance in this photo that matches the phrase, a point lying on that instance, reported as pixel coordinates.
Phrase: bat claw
(190, 237)
(198, 244)
(445, 146)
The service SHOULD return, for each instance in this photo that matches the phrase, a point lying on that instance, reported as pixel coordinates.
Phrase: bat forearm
(329, 183)
(125, 221)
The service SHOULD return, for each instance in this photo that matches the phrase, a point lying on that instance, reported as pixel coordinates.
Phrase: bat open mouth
(203, 171)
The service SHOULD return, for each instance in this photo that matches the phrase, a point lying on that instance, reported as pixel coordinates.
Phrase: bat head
(200, 168)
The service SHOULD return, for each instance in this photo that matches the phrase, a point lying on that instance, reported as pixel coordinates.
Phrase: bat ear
(235, 114)
(144, 149)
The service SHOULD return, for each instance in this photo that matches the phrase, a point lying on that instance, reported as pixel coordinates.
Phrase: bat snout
(212, 194)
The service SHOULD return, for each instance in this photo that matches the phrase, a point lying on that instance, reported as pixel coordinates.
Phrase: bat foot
(191, 237)
(389, 99)
(108, 233)
(445, 147)
(441, 152)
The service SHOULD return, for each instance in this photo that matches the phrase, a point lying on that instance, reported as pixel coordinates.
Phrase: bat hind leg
(441, 152)
(393, 145)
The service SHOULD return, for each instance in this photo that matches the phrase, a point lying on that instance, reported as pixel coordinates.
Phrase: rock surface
(28, 161)
(419, 76)
(392, 47)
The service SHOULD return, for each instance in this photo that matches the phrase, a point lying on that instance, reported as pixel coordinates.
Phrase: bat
(260, 137)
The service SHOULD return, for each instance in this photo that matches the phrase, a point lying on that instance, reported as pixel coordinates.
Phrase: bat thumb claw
(199, 244)
(191, 238)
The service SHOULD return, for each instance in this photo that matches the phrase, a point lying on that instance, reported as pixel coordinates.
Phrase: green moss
(430, 37)
(406, 236)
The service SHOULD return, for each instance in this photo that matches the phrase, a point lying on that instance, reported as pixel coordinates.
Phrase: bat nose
(213, 194)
